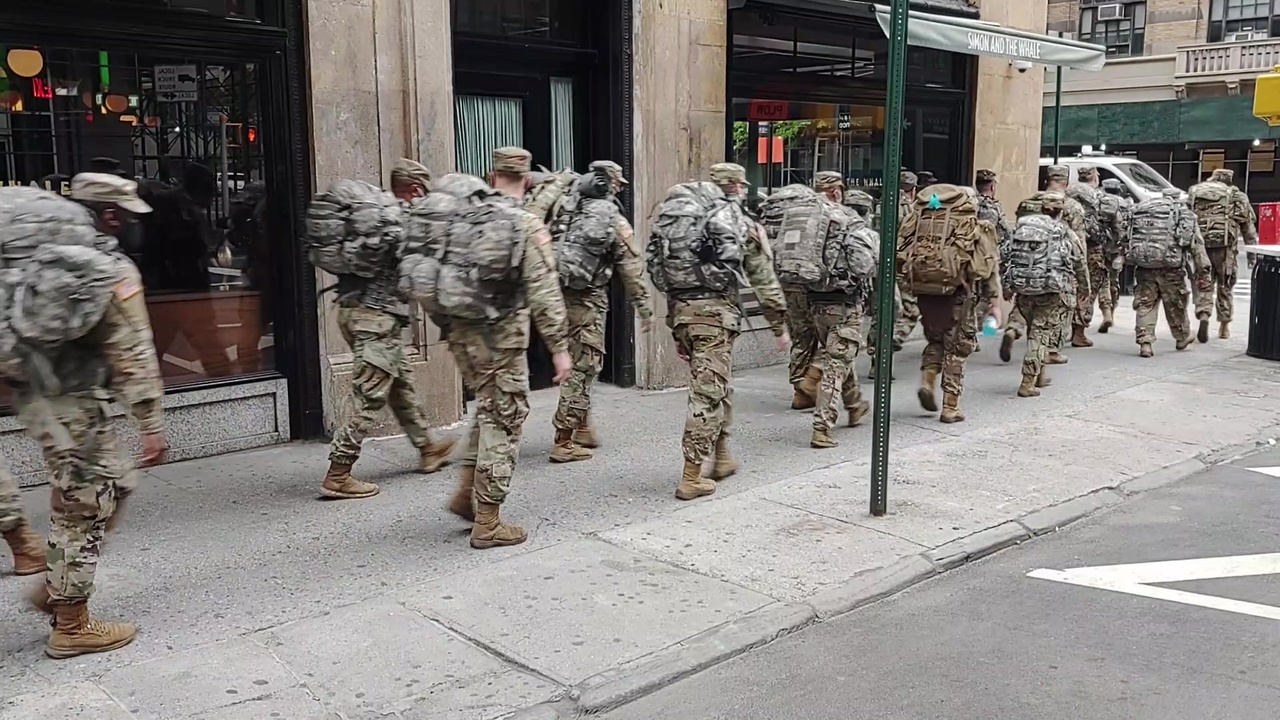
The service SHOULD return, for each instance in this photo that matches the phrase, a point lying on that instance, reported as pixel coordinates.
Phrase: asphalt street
(988, 641)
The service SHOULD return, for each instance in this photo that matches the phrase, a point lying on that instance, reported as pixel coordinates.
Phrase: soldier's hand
(997, 313)
(784, 342)
(154, 449)
(563, 365)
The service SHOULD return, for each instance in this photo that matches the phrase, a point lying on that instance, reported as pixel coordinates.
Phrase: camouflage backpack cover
(1111, 211)
(1089, 200)
(57, 277)
(1211, 202)
(464, 252)
(548, 193)
(696, 241)
(1160, 230)
(942, 245)
(584, 242)
(774, 209)
(354, 229)
(818, 248)
(1036, 260)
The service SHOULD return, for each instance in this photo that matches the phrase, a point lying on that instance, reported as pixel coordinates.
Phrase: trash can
(1264, 307)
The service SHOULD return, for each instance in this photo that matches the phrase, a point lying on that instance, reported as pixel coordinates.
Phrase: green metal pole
(1057, 115)
(888, 256)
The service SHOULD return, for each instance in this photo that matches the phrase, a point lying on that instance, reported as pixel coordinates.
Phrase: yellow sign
(1266, 97)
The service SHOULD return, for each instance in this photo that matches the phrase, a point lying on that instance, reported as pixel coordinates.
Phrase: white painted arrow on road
(1272, 471)
(1137, 579)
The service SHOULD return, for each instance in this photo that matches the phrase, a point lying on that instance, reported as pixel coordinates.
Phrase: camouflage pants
(1153, 287)
(499, 377)
(586, 315)
(1215, 286)
(710, 415)
(1088, 297)
(907, 318)
(86, 464)
(1112, 296)
(1016, 323)
(1044, 316)
(951, 332)
(11, 515)
(380, 377)
(839, 327)
(804, 336)
(873, 313)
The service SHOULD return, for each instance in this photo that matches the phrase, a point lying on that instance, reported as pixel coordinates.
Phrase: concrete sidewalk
(255, 600)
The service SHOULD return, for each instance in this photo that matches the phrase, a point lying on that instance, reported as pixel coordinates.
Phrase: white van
(1139, 179)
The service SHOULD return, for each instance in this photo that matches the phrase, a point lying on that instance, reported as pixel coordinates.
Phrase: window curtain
(485, 123)
(562, 123)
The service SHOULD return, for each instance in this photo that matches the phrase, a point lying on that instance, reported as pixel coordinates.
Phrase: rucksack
(852, 258)
(942, 246)
(57, 276)
(584, 245)
(1211, 202)
(1111, 212)
(775, 207)
(1158, 233)
(696, 241)
(817, 249)
(464, 249)
(1036, 259)
(1088, 199)
(548, 193)
(354, 229)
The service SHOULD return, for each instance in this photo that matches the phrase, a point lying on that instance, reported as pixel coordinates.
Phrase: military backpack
(942, 245)
(464, 252)
(1159, 233)
(1088, 198)
(817, 246)
(696, 241)
(1036, 260)
(1211, 202)
(584, 239)
(1111, 212)
(354, 229)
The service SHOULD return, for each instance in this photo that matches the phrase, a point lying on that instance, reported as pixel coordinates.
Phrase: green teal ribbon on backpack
(934, 202)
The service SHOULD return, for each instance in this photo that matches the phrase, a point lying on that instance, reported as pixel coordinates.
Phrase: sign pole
(888, 256)
(1057, 114)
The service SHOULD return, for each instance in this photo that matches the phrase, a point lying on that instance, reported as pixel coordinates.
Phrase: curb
(619, 686)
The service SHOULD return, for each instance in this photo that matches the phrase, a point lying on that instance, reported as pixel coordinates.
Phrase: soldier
(1164, 235)
(1086, 193)
(862, 203)
(705, 325)
(1112, 204)
(1225, 216)
(989, 209)
(372, 316)
(595, 241)
(115, 360)
(1053, 272)
(27, 547)
(805, 362)
(492, 357)
(908, 311)
(1074, 216)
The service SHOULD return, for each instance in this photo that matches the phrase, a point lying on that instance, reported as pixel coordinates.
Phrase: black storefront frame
(607, 70)
(279, 45)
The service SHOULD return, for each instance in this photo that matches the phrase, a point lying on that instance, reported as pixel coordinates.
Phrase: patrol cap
(1052, 200)
(1223, 175)
(515, 160)
(858, 198)
(610, 168)
(985, 176)
(725, 173)
(407, 171)
(1112, 185)
(108, 190)
(925, 178)
(908, 179)
(1058, 172)
(828, 179)
(1086, 172)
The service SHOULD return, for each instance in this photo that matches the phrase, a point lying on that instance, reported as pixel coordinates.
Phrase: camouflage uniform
(1089, 294)
(1214, 286)
(1109, 296)
(372, 317)
(806, 359)
(1153, 286)
(989, 209)
(910, 314)
(705, 329)
(586, 311)
(11, 515)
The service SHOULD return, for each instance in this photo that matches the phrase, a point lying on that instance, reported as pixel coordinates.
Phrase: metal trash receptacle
(1264, 307)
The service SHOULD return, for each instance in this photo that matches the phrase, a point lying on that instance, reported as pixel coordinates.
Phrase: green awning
(974, 37)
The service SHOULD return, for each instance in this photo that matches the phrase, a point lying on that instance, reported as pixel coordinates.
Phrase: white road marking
(1272, 471)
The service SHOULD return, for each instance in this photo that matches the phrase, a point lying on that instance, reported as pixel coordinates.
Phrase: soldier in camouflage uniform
(115, 360)
(805, 366)
(1153, 286)
(1094, 291)
(493, 360)
(1110, 295)
(705, 328)
(575, 436)
(27, 547)
(907, 309)
(1214, 286)
(989, 209)
(372, 316)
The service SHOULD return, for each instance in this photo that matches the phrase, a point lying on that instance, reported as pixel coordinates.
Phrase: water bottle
(990, 327)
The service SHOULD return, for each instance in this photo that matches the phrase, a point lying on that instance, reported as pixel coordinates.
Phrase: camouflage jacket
(1244, 216)
(628, 262)
(726, 312)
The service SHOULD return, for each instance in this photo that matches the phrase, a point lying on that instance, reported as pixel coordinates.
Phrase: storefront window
(240, 9)
(562, 21)
(189, 132)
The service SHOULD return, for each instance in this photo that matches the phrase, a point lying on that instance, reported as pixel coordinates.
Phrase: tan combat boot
(1144, 350)
(724, 466)
(461, 505)
(1055, 358)
(585, 436)
(1028, 387)
(1043, 380)
(1224, 331)
(436, 455)
(928, 401)
(1184, 343)
(339, 485)
(75, 633)
(692, 484)
(1078, 338)
(806, 395)
(566, 450)
(1006, 345)
(951, 409)
(28, 550)
(490, 532)
(822, 439)
(858, 413)
(1202, 333)
(1108, 319)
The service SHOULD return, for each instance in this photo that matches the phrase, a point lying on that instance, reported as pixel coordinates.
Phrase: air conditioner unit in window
(1110, 12)
(1246, 36)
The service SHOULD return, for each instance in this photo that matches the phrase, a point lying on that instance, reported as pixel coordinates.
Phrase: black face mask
(130, 236)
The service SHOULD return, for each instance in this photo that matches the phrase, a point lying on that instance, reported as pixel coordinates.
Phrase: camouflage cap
(908, 179)
(828, 179)
(924, 177)
(1112, 185)
(108, 189)
(858, 198)
(514, 160)
(410, 172)
(610, 168)
(985, 176)
(725, 173)
(1086, 173)
(1223, 175)
(1052, 200)
(1058, 172)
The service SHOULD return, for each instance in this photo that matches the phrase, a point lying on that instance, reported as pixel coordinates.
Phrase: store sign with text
(769, 110)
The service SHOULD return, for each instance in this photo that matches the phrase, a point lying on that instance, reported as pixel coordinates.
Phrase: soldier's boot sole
(858, 413)
(1202, 334)
(821, 440)
(1224, 331)
(570, 453)
(927, 400)
(1006, 347)
(437, 455)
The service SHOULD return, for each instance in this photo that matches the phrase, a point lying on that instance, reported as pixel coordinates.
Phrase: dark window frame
(1232, 16)
(1122, 37)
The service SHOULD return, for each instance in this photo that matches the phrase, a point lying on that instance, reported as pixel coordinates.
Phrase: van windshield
(1143, 175)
